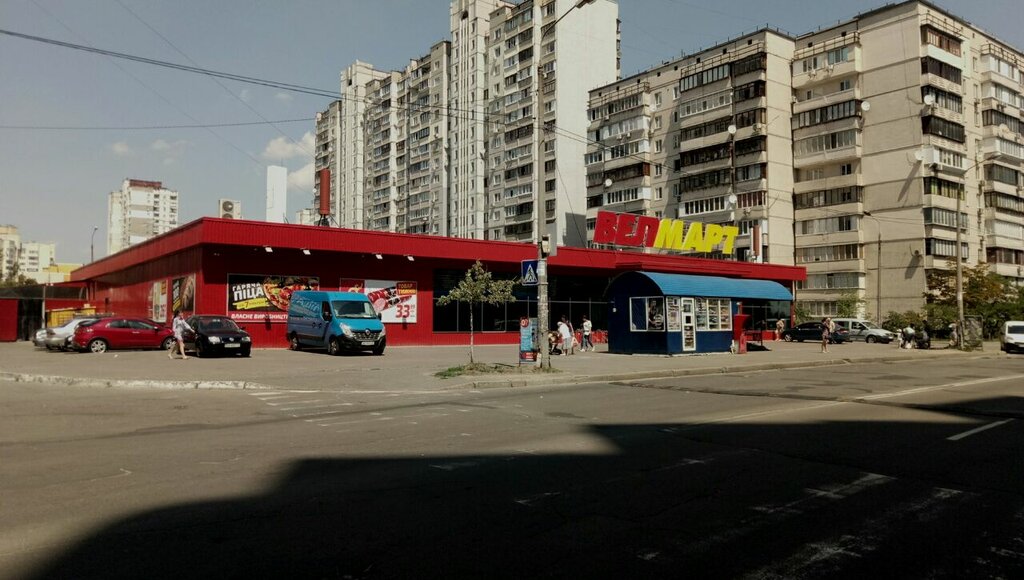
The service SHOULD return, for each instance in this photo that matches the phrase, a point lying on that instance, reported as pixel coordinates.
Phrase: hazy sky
(54, 183)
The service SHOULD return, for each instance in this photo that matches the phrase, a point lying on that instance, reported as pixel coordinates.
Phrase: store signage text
(627, 229)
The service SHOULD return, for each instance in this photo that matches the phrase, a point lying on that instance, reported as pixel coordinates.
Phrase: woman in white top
(566, 334)
(179, 326)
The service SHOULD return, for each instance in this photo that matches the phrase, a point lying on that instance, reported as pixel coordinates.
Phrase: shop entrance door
(689, 325)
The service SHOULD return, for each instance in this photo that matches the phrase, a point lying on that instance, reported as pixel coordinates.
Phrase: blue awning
(717, 287)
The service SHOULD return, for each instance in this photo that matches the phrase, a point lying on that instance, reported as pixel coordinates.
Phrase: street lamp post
(543, 316)
(92, 244)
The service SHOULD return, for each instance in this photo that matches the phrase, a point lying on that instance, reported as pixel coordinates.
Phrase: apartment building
(542, 59)
(406, 139)
(10, 242)
(857, 151)
(468, 92)
(138, 211)
(907, 139)
(348, 173)
(326, 145)
(704, 138)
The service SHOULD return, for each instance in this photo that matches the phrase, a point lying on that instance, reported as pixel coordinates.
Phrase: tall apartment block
(540, 70)
(406, 138)
(857, 151)
(138, 211)
(326, 143)
(468, 92)
(702, 138)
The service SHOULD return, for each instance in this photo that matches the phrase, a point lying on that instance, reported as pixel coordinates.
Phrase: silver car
(58, 338)
(865, 330)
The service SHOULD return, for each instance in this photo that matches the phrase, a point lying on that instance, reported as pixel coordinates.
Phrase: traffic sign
(528, 272)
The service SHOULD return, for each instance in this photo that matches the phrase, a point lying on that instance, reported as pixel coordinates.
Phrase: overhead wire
(149, 127)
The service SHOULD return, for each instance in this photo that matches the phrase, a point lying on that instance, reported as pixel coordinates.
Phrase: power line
(147, 127)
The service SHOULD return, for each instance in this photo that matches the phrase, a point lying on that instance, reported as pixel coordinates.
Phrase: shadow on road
(840, 499)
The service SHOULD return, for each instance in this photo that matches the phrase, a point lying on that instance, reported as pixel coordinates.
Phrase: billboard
(255, 297)
(183, 294)
(395, 301)
(158, 302)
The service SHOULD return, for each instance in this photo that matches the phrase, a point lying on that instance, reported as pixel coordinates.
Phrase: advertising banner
(158, 302)
(254, 297)
(183, 294)
(395, 301)
(528, 340)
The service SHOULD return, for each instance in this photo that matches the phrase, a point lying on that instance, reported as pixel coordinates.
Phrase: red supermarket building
(247, 270)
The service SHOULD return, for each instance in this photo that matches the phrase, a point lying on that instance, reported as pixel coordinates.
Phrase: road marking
(965, 434)
(306, 407)
(945, 386)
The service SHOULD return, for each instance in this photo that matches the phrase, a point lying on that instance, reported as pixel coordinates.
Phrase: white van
(1012, 339)
(865, 330)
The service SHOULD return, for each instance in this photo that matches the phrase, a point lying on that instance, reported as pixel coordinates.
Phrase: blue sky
(54, 183)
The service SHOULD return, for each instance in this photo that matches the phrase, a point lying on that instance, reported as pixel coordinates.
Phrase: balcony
(827, 157)
(834, 182)
(941, 83)
(750, 185)
(827, 73)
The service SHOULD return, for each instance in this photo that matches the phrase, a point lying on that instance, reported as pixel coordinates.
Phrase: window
(830, 281)
(937, 186)
(835, 253)
(945, 41)
(749, 91)
(846, 169)
(752, 145)
(1001, 93)
(950, 158)
(628, 194)
(709, 128)
(846, 223)
(937, 216)
(1002, 174)
(940, 69)
(705, 103)
(943, 248)
(992, 117)
(751, 172)
(705, 180)
(1004, 202)
(827, 142)
(705, 154)
(714, 314)
(748, 118)
(658, 146)
(595, 201)
(826, 114)
(749, 64)
(647, 314)
(944, 99)
(845, 85)
(657, 99)
(704, 77)
(942, 128)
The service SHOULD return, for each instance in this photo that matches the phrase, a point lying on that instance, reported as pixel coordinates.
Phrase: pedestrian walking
(565, 334)
(780, 326)
(180, 327)
(587, 327)
(826, 333)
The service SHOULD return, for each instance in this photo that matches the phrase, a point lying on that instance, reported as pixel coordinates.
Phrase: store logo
(627, 229)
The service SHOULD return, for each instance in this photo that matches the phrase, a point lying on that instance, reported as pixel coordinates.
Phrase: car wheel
(293, 342)
(98, 346)
(379, 349)
(200, 349)
(245, 353)
(870, 340)
(168, 343)
(333, 347)
(787, 337)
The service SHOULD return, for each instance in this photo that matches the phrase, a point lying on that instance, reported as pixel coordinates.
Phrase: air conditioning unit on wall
(230, 209)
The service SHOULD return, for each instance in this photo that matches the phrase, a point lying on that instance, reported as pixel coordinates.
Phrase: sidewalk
(412, 368)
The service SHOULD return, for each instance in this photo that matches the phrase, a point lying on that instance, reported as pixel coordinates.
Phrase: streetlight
(543, 316)
(92, 244)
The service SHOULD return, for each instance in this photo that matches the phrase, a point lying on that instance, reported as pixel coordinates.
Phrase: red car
(121, 332)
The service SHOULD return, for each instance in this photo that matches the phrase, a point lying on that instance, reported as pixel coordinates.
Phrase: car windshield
(217, 325)
(353, 309)
(1017, 329)
(87, 323)
(869, 325)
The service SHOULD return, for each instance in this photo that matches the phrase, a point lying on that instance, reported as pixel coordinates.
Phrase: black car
(812, 331)
(217, 335)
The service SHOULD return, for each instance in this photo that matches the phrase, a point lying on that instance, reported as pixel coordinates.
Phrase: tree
(986, 294)
(478, 287)
(848, 305)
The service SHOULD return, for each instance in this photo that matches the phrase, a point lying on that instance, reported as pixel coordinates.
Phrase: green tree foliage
(478, 287)
(986, 294)
(848, 305)
(15, 280)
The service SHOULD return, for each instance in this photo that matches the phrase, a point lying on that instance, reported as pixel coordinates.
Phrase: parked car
(120, 332)
(39, 338)
(1012, 339)
(812, 331)
(216, 335)
(865, 330)
(59, 338)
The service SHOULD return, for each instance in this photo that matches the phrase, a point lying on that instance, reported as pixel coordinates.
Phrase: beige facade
(877, 132)
(138, 211)
(703, 138)
(325, 156)
(541, 60)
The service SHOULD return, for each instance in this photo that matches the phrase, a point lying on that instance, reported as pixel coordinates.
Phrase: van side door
(322, 324)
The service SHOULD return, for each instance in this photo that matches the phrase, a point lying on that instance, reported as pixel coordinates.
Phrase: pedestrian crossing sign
(528, 273)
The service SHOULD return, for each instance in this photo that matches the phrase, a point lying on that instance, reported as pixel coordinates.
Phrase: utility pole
(543, 316)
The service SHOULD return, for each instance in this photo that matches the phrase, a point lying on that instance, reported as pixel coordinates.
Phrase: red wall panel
(8, 319)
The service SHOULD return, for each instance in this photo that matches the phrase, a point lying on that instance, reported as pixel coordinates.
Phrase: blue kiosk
(659, 313)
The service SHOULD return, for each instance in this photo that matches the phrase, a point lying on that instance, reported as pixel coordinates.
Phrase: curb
(517, 382)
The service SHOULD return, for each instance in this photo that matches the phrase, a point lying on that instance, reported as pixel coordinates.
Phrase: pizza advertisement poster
(395, 301)
(256, 298)
(183, 294)
(158, 302)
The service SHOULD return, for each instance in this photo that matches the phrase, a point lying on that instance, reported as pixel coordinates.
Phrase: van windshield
(352, 309)
(868, 324)
(1015, 329)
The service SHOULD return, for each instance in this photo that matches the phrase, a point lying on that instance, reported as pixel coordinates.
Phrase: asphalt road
(887, 470)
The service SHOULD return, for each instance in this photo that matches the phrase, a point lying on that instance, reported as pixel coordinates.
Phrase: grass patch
(475, 369)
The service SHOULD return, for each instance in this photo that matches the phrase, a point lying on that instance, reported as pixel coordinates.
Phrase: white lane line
(960, 436)
(304, 407)
(945, 386)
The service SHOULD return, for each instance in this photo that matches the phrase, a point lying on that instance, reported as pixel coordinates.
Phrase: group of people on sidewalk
(563, 341)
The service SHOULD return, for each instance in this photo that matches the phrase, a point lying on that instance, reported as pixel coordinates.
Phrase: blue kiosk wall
(655, 313)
